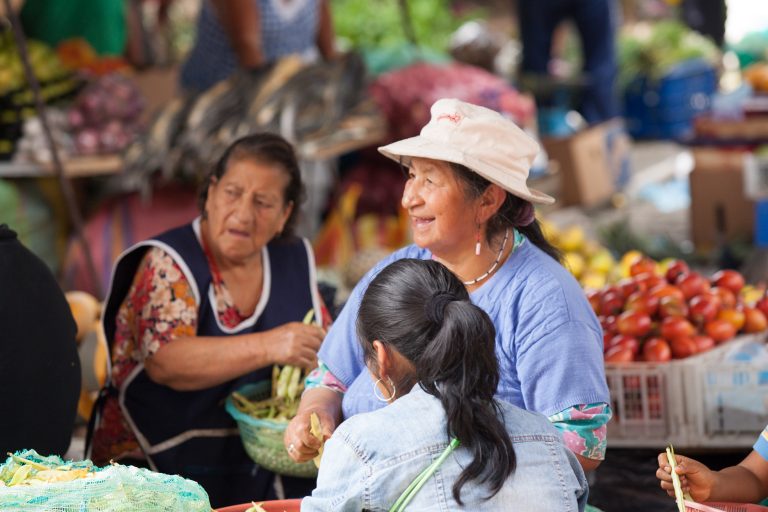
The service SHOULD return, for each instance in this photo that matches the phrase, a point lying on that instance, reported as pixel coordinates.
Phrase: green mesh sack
(31, 482)
(263, 439)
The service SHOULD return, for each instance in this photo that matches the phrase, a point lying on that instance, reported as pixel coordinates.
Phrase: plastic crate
(646, 399)
(665, 108)
(727, 398)
(680, 402)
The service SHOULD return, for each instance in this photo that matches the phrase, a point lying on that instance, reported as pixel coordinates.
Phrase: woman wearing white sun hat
(472, 210)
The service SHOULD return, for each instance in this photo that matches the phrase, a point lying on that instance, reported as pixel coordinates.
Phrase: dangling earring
(379, 396)
(477, 243)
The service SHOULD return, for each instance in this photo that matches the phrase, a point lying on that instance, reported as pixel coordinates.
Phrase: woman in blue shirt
(471, 210)
(250, 34)
(431, 354)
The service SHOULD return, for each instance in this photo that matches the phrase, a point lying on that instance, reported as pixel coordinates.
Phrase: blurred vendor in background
(251, 34)
(596, 22)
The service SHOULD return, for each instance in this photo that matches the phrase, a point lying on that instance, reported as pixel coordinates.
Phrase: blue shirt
(761, 445)
(284, 31)
(372, 458)
(548, 340)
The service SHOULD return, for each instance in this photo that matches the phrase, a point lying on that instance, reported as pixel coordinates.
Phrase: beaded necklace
(495, 262)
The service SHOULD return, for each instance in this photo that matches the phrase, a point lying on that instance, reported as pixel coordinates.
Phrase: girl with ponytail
(431, 355)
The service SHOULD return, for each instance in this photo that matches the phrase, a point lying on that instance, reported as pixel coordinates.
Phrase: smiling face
(246, 208)
(443, 218)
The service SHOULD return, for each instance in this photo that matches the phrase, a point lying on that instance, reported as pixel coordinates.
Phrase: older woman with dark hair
(472, 210)
(198, 311)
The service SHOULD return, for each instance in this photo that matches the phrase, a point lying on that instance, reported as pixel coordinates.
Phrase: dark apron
(188, 432)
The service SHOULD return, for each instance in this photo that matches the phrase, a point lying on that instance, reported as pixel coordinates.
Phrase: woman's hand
(299, 441)
(295, 344)
(695, 478)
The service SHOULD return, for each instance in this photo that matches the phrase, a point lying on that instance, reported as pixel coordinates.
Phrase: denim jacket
(372, 457)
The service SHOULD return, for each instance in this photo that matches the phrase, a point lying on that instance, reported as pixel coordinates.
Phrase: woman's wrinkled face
(442, 217)
(246, 208)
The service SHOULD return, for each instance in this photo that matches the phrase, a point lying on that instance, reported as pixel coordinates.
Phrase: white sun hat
(478, 138)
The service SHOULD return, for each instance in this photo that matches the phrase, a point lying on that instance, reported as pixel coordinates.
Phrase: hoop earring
(379, 396)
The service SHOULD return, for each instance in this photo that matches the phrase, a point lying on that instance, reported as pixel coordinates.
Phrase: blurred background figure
(595, 21)
(39, 365)
(252, 34)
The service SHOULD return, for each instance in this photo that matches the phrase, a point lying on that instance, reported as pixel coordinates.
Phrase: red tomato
(657, 350)
(633, 323)
(730, 279)
(754, 320)
(674, 327)
(683, 346)
(619, 354)
(703, 343)
(720, 330)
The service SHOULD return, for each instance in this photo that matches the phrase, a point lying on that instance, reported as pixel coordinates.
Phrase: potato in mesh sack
(30, 482)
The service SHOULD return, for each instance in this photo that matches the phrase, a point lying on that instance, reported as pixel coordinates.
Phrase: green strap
(415, 486)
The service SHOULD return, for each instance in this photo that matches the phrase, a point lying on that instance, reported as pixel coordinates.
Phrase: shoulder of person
(525, 425)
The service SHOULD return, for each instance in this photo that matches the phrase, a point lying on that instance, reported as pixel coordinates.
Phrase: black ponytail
(514, 212)
(423, 311)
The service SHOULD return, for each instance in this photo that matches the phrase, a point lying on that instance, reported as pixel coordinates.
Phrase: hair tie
(436, 306)
(525, 215)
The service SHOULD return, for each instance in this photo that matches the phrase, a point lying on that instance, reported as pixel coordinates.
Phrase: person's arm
(241, 20)
(200, 362)
(300, 443)
(584, 432)
(164, 318)
(746, 482)
(325, 33)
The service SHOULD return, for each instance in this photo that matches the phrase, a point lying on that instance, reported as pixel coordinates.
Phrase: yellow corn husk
(316, 430)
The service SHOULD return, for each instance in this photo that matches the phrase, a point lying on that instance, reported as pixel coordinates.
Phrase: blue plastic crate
(761, 223)
(665, 108)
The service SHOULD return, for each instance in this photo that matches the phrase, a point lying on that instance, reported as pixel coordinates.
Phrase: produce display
(652, 50)
(29, 481)
(591, 263)
(16, 101)
(103, 118)
(665, 310)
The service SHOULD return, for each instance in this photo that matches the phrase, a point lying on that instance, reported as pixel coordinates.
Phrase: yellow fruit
(551, 233)
(572, 239)
(602, 261)
(592, 280)
(85, 310)
(574, 262)
(627, 260)
(750, 294)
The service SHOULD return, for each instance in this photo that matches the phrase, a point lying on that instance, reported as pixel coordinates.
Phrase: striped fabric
(287, 26)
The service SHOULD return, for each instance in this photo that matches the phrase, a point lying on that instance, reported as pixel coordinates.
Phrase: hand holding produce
(696, 479)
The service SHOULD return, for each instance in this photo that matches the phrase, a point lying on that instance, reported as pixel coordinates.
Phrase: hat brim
(421, 147)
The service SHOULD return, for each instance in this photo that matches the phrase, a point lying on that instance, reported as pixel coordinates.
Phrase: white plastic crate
(645, 399)
(727, 398)
(697, 402)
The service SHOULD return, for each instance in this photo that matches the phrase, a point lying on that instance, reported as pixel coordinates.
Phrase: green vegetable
(368, 24)
(654, 50)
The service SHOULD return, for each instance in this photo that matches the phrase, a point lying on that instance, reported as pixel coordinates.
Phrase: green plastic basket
(263, 439)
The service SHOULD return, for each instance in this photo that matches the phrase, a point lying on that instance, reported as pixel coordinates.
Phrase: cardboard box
(590, 163)
(720, 211)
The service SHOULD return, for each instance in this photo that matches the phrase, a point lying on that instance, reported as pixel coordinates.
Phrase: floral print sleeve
(322, 377)
(163, 301)
(583, 428)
